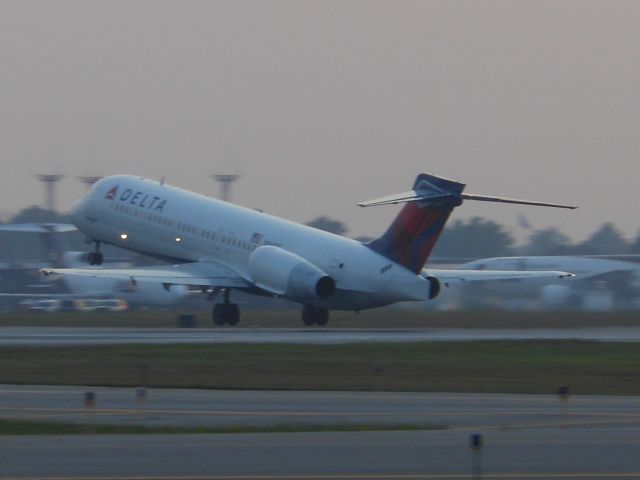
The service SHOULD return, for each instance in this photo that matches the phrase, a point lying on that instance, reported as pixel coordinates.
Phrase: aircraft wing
(54, 295)
(462, 276)
(38, 227)
(200, 274)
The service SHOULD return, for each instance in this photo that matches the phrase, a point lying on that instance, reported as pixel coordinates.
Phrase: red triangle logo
(111, 193)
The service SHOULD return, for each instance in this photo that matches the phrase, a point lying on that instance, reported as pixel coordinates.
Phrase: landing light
(178, 239)
(124, 236)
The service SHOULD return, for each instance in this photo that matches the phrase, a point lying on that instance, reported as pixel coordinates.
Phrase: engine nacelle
(555, 296)
(284, 273)
(434, 287)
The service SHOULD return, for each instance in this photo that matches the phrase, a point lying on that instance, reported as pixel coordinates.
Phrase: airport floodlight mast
(226, 181)
(89, 180)
(49, 181)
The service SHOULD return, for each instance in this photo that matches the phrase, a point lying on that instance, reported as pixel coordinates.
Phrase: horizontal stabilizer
(485, 198)
(431, 189)
(404, 197)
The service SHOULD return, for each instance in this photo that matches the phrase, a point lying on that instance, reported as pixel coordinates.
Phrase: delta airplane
(219, 247)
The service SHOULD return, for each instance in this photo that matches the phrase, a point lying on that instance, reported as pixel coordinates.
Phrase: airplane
(219, 247)
(144, 294)
(605, 281)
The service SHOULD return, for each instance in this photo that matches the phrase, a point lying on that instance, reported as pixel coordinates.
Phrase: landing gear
(95, 257)
(314, 315)
(226, 312)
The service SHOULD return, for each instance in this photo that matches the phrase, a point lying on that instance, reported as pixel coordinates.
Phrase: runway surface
(61, 336)
(525, 436)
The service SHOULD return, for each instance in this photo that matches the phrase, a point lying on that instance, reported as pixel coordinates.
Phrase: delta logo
(111, 193)
(139, 199)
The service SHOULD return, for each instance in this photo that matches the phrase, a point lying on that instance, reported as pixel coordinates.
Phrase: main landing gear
(95, 257)
(226, 312)
(314, 315)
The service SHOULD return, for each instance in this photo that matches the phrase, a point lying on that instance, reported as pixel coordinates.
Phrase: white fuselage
(181, 226)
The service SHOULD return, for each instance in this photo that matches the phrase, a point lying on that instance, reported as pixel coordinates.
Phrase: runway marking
(550, 400)
(350, 476)
(612, 417)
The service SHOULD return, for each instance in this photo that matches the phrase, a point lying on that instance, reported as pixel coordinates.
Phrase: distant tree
(475, 239)
(36, 214)
(548, 241)
(634, 247)
(328, 225)
(606, 240)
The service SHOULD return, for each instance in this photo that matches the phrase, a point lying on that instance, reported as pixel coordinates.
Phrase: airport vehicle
(219, 247)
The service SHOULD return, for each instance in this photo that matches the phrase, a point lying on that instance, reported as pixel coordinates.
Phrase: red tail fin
(414, 232)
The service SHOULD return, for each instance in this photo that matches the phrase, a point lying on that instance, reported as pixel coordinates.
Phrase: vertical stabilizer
(414, 232)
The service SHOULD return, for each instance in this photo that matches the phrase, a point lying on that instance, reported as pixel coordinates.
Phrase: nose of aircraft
(78, 209)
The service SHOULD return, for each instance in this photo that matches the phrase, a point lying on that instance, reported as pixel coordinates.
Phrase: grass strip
(27, 427)
(489, 366)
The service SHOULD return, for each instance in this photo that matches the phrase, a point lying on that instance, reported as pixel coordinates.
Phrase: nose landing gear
(95, 257)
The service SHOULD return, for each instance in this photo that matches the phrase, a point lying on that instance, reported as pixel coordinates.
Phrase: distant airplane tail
(53, 244)
(413, 234)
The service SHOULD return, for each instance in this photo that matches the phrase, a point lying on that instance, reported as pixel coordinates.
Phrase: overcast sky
(323, 104)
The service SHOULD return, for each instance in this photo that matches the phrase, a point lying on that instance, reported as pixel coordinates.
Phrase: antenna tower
(49, 182)
(226, 182)
(89, 180)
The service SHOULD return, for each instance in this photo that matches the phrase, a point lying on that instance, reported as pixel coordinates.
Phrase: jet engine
(556, 296)
(284, 273)
(434, 287)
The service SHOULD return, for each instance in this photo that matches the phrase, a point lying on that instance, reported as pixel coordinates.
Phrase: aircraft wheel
(314, 315)
(218, 314)
(322, 316)
(233, 313)
(95, 258)
(226, 313)
(307, 316)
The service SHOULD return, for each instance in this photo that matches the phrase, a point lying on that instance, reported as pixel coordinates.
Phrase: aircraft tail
(414, 232)
(49, 233)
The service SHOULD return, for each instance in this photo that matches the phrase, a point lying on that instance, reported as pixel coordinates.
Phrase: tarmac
(69, 336)
(524, 436)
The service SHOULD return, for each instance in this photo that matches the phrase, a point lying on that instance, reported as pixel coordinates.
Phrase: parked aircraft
(143, 294)
(604, 282)
(220, 247)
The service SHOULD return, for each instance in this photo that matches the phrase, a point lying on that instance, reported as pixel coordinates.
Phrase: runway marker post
(476, 443)
(90, 404)
(141, 400)
(563, 395)
(141, 391)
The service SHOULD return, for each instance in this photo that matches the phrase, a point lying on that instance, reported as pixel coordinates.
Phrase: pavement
(524, 436)
(70, 336)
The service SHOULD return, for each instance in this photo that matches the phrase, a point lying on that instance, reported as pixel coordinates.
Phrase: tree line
(479, 238)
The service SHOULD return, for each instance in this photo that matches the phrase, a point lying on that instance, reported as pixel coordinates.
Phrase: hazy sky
(323, 104)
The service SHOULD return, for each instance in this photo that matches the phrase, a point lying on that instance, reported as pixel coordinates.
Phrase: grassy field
(393, 317)
(27, 427)
(495, 366)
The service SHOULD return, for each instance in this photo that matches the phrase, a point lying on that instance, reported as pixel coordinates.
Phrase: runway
(540, 454)
(525, 436)
(68, 336)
